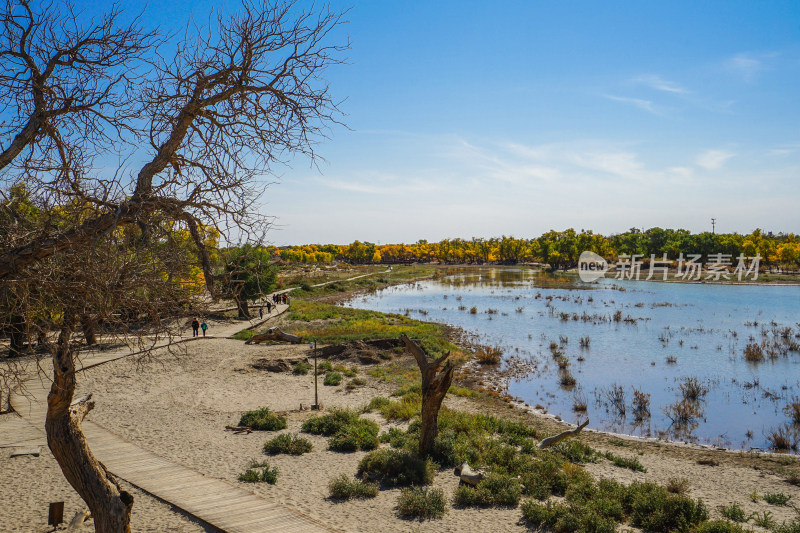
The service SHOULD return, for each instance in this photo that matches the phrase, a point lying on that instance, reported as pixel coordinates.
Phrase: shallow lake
(645, 336)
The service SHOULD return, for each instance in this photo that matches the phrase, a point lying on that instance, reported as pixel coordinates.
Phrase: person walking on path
(261, 312)
(195, 327)
(204, 327)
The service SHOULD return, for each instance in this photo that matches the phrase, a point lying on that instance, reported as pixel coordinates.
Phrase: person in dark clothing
(195, 327)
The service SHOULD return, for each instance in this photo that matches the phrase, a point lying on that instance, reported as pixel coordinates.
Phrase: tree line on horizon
(559, 249)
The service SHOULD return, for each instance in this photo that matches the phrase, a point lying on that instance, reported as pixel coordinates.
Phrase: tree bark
(89, 326)
(436, 382)
(110, 506)
(241, 305)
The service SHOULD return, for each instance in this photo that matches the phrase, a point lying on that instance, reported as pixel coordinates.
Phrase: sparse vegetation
(263, 419)
(734, 512)
(776, 498)
(259, 472)
(332, 379)
(288, 443)
(421, 502)
(489, 355)
(301, 368)
(396, 468)
(345, 488)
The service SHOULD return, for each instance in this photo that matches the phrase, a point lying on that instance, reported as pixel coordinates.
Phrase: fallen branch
(549, 441)
(274, 334)
(238, 430)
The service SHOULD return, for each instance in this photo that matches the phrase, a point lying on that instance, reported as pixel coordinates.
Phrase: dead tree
(436, 380)
(210, 124)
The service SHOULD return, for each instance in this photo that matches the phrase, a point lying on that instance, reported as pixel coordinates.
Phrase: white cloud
(748, 65)
(646, 105)
(713, 159)
(657, 82)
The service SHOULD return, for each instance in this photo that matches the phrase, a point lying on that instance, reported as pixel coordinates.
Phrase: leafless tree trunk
(110, 506)
(436, 382)
(232, 103)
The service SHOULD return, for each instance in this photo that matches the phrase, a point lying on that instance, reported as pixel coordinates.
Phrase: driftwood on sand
(468, 475)
(274, 334)
(549, 441)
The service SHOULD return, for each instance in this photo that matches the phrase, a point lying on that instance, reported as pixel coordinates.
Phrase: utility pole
(713, 225)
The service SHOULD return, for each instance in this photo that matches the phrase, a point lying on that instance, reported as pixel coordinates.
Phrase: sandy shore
(178, 405)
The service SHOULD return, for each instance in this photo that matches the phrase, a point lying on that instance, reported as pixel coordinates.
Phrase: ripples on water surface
(704, 328)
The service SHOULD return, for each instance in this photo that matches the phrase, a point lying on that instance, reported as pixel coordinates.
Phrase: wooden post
(315, 407)
(56, 514)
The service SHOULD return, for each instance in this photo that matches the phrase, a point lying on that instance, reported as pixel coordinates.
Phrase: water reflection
(640, 338)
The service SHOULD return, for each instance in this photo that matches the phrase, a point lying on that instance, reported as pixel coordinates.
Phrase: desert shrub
(565, 518)
(489, 355)
(289, 444)
(654, 509)
(244, 335)
(361, 434)
(356, 382)
(631, 463)
(344, 488)
(788, 527)
(332, 379)
(255, 475)
(421, 502)
(719, 526)
(376, 404)
(301, 368)
(734, 512)
(764, 520)
(575, 451)
(331, 423)
(324, 366)
(405, 408)
(496, 490)
(776, 498)
(396, 467)
(692, 389)
(677, 485)
(263, 419)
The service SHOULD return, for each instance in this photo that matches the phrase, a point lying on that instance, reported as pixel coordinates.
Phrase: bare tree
(231, 103)
(436, 379)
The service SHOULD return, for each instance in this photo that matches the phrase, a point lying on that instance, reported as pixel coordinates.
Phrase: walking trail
(213, 501)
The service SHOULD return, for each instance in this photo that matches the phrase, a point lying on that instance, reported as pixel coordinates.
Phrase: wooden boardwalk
(214, 501)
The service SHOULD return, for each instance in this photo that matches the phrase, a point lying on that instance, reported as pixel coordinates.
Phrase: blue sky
(470, 119)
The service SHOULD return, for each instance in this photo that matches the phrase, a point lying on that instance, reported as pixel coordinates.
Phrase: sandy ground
(178, 407)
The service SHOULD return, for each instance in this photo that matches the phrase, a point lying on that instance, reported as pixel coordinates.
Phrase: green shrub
(244, 335)
(631, 463)
(495, 490)
(565, 518)
(324, 366)
(776, 498)
(331, 423)
(344, 488)
(266, 474)
(263, 419)
(301, 368)
(376, 404)
(361, 434)
(420, 502)
(332, 379)
(396, 467)
(575, 451)
(652, 508)
(289, 444)
(788, 527)
(734, 512)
